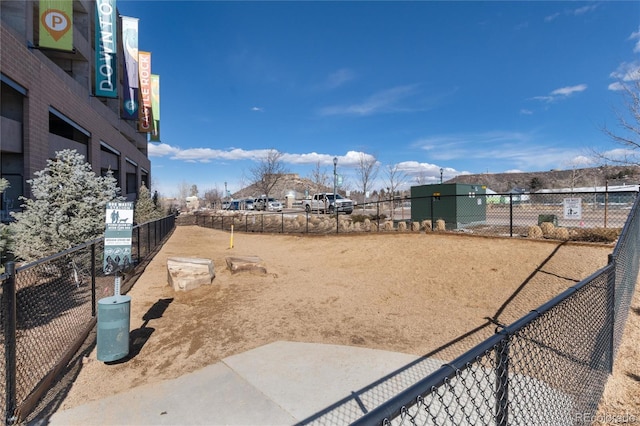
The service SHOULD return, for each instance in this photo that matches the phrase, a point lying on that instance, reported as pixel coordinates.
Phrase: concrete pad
(304, 378)
(281, 383)
(214, 395)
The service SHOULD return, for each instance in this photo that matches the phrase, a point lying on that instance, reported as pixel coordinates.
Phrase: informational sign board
(572, 208)
(117, 237)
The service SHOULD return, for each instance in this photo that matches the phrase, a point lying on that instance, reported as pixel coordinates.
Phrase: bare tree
(242, 183)
(628, 137)
(577, 174)
(183, 193)
(269, 170)
(395, 178)
(213, 196)
(319, 177)
(193, 191)
(366, 171)
(421, 179)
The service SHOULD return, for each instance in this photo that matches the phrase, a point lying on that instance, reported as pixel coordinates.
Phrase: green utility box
(113, 327)
(552, 218)
(458, 204)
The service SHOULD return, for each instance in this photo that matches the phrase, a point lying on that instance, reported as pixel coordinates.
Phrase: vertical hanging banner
(155, 108)
(117, 237)
(106, 50)
(130, 84)
(144, 109)
(56, 24)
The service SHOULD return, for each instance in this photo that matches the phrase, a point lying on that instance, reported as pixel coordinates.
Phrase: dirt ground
(422, 294)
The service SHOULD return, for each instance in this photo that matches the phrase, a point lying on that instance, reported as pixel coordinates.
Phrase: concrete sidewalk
(282, 383)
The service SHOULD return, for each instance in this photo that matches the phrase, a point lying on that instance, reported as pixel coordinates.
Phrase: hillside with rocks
(574, 178)
(286, 183)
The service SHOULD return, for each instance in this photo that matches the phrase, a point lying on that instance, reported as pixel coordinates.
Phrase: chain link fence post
(502, 382)
(10, 319)
(611, 314)
(511, 215)
(93, 277)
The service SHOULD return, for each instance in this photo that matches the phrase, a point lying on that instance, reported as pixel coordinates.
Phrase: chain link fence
(548, 367)
(49, 308)
(571, 215)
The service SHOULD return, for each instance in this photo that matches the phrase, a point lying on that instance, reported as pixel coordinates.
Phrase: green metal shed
(459, 204)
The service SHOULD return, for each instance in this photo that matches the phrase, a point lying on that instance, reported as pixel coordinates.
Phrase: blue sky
(470, 87)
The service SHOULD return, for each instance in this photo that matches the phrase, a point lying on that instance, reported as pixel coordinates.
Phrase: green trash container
(113, 327)
(552, 218)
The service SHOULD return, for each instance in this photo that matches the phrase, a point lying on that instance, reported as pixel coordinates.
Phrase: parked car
(248, 204)
(231, 205)
(267, 204)
(324, 202)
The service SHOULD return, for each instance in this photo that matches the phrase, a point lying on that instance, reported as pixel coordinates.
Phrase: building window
(132, 184)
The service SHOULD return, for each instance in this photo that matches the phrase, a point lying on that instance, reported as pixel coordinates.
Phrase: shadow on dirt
(140, 336)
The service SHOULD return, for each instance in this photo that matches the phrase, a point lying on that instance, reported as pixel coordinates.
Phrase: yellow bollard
(231, 240)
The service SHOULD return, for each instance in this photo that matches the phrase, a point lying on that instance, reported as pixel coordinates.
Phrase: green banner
(155, 108)
(117, 237)
(106, 50)
(56, 24)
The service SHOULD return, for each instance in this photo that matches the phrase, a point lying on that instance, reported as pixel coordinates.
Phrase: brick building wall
(49, 87)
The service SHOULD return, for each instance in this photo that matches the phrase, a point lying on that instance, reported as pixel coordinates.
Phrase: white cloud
(161, 150)
(616, 86)
(526, 151)
(584, 9)
(551, 17)
(561, 93)
(627, 71)
(207, 155)
(580, 161)
(636, 36)
(339, 77)
(381, 102)
(572, 12)
(622, 155)
(526, 112)
(257, 109)
(566, 91)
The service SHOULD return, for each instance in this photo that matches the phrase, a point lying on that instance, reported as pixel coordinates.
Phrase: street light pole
(335, 204)
(441, 175)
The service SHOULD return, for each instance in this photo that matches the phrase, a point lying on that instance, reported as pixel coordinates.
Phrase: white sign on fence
(117, 237)
(572, 208)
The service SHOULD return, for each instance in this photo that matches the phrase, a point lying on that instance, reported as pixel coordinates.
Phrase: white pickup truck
(325, 203)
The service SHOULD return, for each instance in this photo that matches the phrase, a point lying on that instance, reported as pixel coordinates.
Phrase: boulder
(188, 273)
(246, 264)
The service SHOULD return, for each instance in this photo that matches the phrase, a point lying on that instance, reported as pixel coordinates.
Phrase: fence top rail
(137, 225)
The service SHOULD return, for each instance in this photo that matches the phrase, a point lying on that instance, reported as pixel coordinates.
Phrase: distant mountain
(576, 178)
(289, 182)
(498, 182)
